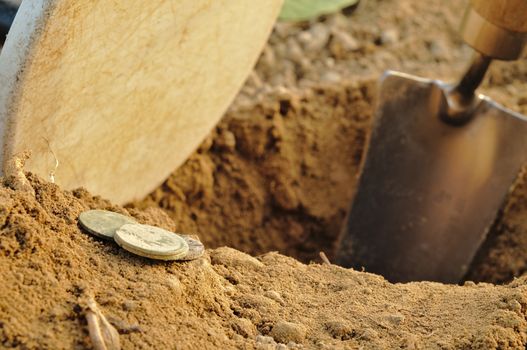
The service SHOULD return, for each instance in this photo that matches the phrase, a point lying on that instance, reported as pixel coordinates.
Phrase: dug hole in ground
(266, 192)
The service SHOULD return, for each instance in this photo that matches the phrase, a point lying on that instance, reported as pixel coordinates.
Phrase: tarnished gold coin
(103, 223)
(151, 242)
(195, 248)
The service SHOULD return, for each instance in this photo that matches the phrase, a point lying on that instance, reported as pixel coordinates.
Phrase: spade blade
(429, 191)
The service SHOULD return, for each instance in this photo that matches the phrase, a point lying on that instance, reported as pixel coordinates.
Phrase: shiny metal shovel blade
(429, 191)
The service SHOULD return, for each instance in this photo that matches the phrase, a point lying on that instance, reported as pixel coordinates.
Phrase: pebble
(317, 37)
(284, 332)
(231, 257)
(225, 140)
(339, 329)
(307, 66)
(439, 49)
(305, 37)
(229, 290)
(206, 144)
(129, 305)
(294, 50)
(174, 283)
(263, 339)
(515, 306)
(280, 51)
(284, 29)
(369, 334)
(329, 62)
(348, 42)
(338, 20)
(330, 77)
(293, 345)
(244, 327)
(367, 291)
(268, 56)
(389, 37)
(274, 295)
(411, 342)
(396, 318)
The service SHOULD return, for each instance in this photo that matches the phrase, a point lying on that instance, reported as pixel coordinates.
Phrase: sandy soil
(227, 299)
(277, 174)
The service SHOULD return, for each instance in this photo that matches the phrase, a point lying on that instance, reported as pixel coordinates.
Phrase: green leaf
(302, 10)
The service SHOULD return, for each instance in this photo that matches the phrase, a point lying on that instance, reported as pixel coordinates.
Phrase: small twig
(52, 172)
(324, 258)
(94, 328)
(102, 334)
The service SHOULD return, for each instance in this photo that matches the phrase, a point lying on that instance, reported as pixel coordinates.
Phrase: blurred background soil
(279, 172)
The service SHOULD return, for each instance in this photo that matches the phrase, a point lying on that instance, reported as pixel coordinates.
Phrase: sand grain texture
(227, 299)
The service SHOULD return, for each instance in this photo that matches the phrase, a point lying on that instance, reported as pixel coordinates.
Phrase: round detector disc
(114, 95)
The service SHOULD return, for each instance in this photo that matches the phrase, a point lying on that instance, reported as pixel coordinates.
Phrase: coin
(103, 223)
(151, 242)
(195, 248)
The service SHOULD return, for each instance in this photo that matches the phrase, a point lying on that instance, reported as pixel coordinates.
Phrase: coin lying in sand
(195, 248)
(103, 223)
(151, 242)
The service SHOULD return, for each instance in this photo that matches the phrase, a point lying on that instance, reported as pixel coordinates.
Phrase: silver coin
(151, 242)
(195, 248)
(103, 223)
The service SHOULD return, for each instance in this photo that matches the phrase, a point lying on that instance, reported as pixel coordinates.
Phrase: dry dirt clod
(316, 38)
(396, 319)
(346, 40)
(244, 327)
(285, 332)
(14, 173)
(389, 37)
(340, 329)
(225, 141)
(102, 334)
(274, 295)
(232, 257)
(265, 342)
(331, 77)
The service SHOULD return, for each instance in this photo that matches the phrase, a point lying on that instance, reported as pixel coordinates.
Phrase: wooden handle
(507, 14)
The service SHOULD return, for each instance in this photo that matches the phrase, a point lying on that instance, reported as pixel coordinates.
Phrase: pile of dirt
(226, 299)
(277, 176)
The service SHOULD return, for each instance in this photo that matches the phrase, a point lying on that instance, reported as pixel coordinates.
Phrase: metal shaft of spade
(461, 99)
(473, 77)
